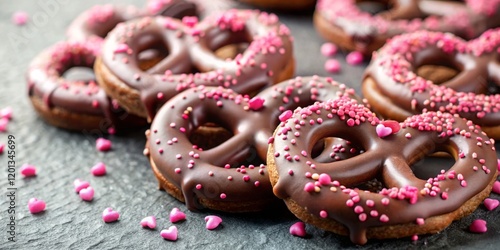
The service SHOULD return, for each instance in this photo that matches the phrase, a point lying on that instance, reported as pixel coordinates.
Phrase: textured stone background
(130, 187)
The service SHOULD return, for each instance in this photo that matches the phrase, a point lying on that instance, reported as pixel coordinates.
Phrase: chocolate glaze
(467, 19)
(192, 44)
(171, 8)
(252, 126)
(406, 198)
(45, 82)
(393, 70)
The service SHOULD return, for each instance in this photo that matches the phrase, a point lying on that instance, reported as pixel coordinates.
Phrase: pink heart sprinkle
(170, 233)
(149, 222)
(36, 206)
(27, 170)
(256, 103)
(87, 194)
(110, 215)
(79, 185)
(20, 18)
(478, 226)
(3, 124)
(212, 222)
(383, 131)
(496, 187)
(354, 58)
(6, 113)
(285, 115)
(394, 125)
(298, 229)
(98, 169)
(491, 204)
(177, 215)
(103, 144)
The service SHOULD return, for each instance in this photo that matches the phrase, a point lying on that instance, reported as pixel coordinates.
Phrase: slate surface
(130, 187)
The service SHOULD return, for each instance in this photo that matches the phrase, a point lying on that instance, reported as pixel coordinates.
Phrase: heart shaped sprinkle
(170, 233)
(478, 226)
(79, 185)
(87, 194)
(149, 222)
(298, 229)
(36, 206)
(99, 169)
(256, 103)
(110, 215)
(102, 144)
(383, 131)
(496, 187)
(491, 204)
(177, 215)
(212, 222)
(394, 125)
(27, 170)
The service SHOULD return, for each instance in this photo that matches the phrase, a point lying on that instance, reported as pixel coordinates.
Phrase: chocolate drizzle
(327, 190)
(201, 174)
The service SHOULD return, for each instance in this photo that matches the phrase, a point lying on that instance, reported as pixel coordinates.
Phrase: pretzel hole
(152, 51)
(228, 44)
(431, 165)
(79, 74)
(438, 74)
(209, 135)
(333, 149)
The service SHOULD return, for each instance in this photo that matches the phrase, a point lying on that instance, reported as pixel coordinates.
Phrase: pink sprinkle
(496, 187)
(420, 221)
(27, 170)
(2, 147)
(325, 179)
(121, 48)
(256, 103)
(20, 18)
(103, 145)
(98, 169)
(190, 21)
(6, 113)
(332, 66)
(298, 229)
(383, 131)
(478, 226)
(354, 58)
(329, 49)
(414, 237)
(498, 164)
(36, 206)
(358, 209)
(323, 214)
(223, 196)
(87, 194)
(287, 114)
(3, 124)
(384, 218)
(170, 234)
(79, 185)
(110, 215)
(385, 201)
(212, 222)
(177, 215)
(491, 204)
(149, 222)
(309, 187)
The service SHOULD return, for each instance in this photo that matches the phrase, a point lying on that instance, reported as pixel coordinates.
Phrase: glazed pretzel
(345, 23)
(268, 58)
(391, 77)
(223, 177)
(329, 195)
